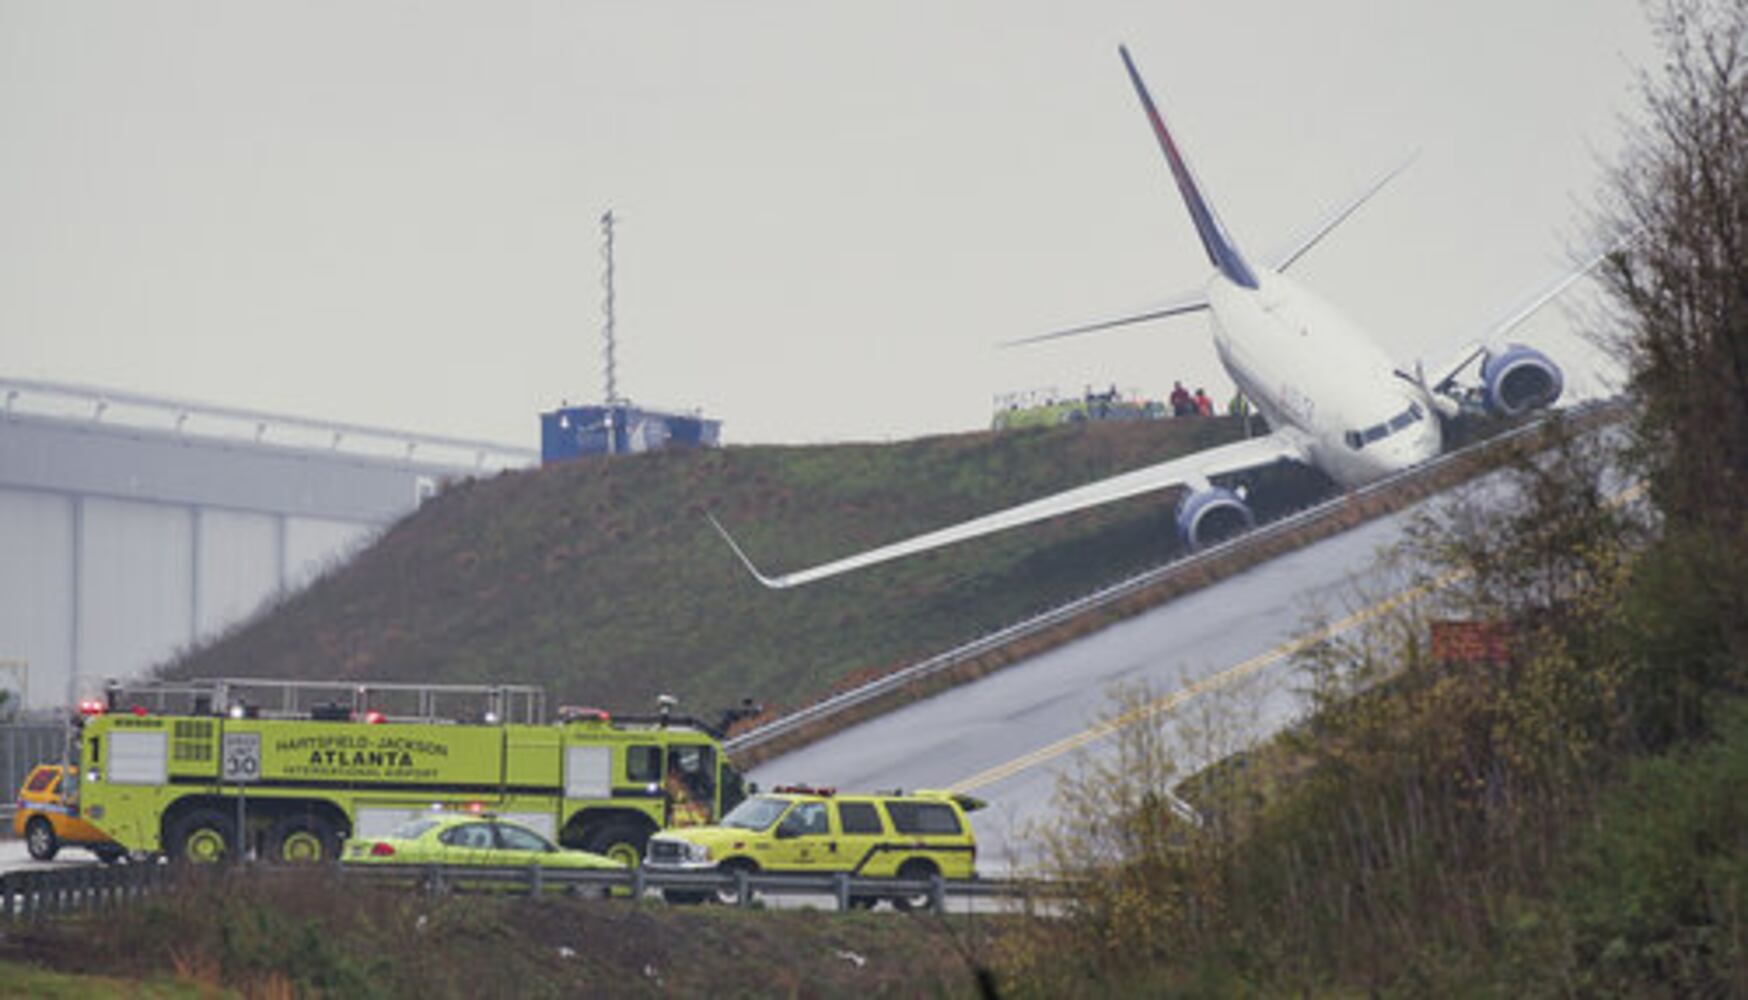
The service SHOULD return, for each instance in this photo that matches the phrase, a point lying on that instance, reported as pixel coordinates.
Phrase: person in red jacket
(1181, 403)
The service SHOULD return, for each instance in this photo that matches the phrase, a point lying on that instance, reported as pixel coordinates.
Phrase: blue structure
(573, 431)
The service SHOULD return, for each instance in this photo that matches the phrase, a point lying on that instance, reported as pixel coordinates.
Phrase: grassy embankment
(601, 580)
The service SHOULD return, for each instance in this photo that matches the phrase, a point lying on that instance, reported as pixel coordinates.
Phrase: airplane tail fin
(1222, 252)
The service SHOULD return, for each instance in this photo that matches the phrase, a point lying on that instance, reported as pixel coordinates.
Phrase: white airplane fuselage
(1331, 396)
(1306, 366)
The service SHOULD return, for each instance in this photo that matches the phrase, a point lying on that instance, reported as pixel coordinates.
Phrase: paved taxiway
(1005, 738)
(13, 856)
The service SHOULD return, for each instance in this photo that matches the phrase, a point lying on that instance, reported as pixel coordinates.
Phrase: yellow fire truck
(285, 770)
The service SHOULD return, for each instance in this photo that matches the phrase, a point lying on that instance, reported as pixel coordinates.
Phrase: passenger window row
(907, 817)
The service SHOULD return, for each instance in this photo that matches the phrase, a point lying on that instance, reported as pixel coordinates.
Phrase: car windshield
(412, 828)
(756, 813)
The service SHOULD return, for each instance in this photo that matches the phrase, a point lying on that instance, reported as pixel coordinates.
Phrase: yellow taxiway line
(1225, 678)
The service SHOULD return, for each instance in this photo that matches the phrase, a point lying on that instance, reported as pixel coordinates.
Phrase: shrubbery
(1567, 817)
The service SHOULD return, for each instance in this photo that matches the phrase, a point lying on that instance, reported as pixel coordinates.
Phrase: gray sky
(387, 213)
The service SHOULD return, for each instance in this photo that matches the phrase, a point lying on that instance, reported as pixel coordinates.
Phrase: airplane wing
(1190, 301)
(1189, 469)
(1284, 258)
(1439, 377)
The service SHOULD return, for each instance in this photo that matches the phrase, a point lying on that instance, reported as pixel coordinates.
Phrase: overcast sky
(388, 212)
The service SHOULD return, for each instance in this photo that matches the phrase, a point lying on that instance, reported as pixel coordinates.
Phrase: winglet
(1222, 252)
(777, 584)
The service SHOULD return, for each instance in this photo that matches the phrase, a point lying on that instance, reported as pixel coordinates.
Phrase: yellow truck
(809, 830)
(286, 770)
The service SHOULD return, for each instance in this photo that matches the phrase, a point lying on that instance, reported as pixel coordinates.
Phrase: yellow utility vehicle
(796, 828)
(47, 816)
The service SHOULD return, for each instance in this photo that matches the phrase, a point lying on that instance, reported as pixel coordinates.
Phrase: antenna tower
(607, 308)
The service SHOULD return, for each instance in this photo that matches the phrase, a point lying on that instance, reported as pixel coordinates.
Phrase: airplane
(1330, 395)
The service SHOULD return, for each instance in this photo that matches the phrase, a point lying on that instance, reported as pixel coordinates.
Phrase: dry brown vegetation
(266, 934)
(1565, 818)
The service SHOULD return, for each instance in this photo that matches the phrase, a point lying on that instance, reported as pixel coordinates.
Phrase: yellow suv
(48, 816)
(815, 830)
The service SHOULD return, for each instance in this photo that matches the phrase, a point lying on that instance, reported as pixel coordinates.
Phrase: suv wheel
(40, 839)
(729, 895)
(915, 870)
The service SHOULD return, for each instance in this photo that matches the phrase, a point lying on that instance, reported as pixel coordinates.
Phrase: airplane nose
(1404, 451)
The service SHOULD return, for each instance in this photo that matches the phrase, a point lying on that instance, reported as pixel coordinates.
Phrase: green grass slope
(601, 580)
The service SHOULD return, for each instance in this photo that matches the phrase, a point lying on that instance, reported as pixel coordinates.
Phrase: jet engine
(1519, 379)
(1211, 515)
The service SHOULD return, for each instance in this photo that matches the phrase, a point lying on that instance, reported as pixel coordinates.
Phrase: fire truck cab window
(643, 763)
(695, 767)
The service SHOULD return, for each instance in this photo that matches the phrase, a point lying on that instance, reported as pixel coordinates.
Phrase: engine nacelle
(1519, 379)
(1206, 517)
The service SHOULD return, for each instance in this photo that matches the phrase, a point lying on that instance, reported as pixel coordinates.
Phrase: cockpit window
(1405, 418)
(1359, 439)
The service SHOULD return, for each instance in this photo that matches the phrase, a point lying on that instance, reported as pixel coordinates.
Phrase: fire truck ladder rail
(298, 699)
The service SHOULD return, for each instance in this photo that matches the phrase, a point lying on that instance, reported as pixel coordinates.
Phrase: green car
(471, 839)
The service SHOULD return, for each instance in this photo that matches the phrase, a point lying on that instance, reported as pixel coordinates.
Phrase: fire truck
(285, 770)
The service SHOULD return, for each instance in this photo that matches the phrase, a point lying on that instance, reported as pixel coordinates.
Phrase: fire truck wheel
(39, 839)
(203, 837)
(299, 840)
(622, 841)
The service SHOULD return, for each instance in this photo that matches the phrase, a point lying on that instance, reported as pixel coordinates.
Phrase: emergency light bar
(804, 790)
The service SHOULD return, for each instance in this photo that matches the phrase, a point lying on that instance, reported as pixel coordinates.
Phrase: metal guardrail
(905, 676)
(33, 895)
(37, 894)
(743, 887)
